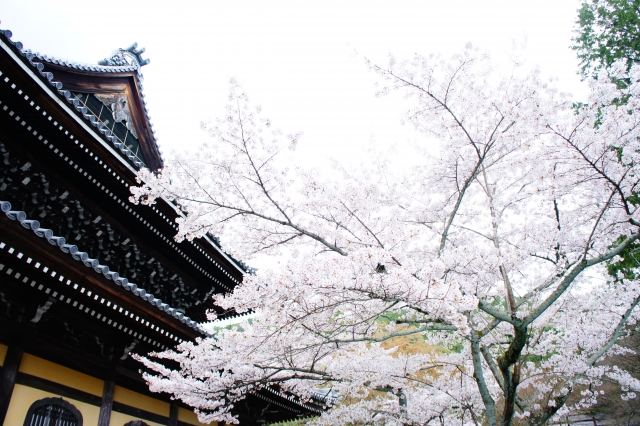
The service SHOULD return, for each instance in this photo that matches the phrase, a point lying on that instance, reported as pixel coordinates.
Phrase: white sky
(295, 58)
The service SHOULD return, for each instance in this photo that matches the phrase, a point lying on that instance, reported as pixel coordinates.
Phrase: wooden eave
(30, 245)
(55, 167)
(73, 120)
(100, 82)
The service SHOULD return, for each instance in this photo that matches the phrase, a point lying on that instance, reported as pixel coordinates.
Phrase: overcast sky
(295, 58)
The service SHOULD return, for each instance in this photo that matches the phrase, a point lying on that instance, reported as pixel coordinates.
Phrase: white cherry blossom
(470, 289)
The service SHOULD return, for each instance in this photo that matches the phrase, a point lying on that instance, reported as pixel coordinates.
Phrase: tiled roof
(80, 256)
(79, 65)
(33, 59)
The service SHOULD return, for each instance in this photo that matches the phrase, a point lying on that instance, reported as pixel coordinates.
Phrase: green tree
(607, 30)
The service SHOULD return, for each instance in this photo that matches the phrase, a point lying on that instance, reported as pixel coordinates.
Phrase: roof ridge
(82, 65)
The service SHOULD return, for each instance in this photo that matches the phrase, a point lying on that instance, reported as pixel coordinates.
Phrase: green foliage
(607, 30)
(392, 316)
(627, 267)
(232, 326)
(457, 347)
(537, 359)
(634, 199)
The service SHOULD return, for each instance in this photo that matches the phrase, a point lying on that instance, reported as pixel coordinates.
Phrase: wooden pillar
(107, 399)
(9, 374)
(173, 414)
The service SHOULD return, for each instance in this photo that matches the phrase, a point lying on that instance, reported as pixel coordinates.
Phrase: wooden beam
(9, 373)
(57, 389)
(28, 242)
(173, 414)
(106, 406)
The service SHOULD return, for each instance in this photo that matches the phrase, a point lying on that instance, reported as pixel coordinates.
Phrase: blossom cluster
(467, 289)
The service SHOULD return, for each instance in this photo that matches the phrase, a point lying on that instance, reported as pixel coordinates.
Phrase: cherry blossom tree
(489, 255)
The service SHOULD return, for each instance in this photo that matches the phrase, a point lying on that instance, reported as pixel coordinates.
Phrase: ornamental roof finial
(123, 57)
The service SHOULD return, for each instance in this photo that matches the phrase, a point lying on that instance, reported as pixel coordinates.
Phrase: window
(118, 121)
(53, 412)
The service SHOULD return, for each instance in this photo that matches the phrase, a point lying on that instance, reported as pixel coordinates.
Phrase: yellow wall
(24, 396)
(56, 373)
(143, 402)
(3, 353)
(188, 416)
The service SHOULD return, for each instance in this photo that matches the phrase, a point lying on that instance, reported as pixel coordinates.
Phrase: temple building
(86, 277)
